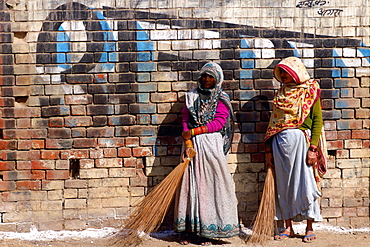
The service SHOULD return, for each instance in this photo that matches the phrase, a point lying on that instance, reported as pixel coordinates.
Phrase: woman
(291, 146)
(206, 205)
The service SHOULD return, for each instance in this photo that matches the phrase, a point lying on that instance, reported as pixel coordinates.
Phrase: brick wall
(91, 94)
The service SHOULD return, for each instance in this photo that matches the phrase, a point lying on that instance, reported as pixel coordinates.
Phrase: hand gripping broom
(264, 223)
(150, 212)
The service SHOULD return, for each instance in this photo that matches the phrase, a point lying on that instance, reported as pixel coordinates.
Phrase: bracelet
(189, 143)
(199, 130)
(312, 149)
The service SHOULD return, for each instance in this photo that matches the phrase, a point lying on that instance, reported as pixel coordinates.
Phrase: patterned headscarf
(292, 102)
(202, 103)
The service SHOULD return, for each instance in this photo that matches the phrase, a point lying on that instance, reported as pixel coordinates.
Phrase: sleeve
(185, 113)
(222, 113)
(317, 123)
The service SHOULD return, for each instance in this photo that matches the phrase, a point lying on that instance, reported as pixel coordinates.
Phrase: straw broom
(264, 224)
(150, 212)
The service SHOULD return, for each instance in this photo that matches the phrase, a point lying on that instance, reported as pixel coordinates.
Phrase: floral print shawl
(292, 102)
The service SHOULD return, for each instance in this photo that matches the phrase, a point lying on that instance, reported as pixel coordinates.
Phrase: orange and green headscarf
(292, 102)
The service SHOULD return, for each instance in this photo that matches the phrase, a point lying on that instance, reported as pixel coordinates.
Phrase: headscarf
(292, 102)
(202, 103)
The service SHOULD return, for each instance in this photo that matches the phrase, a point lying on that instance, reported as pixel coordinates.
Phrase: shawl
(202, 103)
(292, 102)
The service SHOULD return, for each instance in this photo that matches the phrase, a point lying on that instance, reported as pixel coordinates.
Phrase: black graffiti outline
(311, 3)
(331, 12)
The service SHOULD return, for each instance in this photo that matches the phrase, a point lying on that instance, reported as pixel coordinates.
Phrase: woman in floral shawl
(291, 146)
(206, 204)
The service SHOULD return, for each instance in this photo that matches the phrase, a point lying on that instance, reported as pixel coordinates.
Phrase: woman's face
(207, 81)
(285, 77)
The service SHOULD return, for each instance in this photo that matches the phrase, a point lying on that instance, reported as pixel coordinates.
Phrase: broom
(150, 212)
(264, 223)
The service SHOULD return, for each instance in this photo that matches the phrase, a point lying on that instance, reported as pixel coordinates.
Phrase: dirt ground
(324, 239)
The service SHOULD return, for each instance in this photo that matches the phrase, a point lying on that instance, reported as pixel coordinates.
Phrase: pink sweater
(222, 112)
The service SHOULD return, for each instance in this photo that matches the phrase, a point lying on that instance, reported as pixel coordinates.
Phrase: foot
(184, 242)
(185, 239)
(284, 235)
(310, 236)
(205, 242)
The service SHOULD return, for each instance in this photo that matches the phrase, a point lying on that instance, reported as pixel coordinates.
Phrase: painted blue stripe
(247, 54)
(246, 74)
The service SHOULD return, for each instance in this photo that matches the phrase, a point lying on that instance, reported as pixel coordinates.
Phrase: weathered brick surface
(89, 122)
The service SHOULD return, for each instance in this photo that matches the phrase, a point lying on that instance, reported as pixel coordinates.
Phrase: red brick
(74, 154)
(344, 135)
(110, 152)
(22, 112)
(85, 143)
(142, 152)
(334, 145)
(327, 104)
(366, 144)
(330, 125)
(100, 132)
(362, 113)
(54, 175)
(38, 175)
(5, 144)
(56, 122)
(7, 165)
(28, 155)
(111, 142)
(78, 99)
(129, 162)
(258, 157)
(50, 154)
(361, 134)
(7, 101)
(342, 154)
(24, 144)
(24, 123)
(42, 164)
(16, 175)
(24, 165)
(78, 121)
(331, 135)
(17, 134)
(7, 123)
(39, 133)
(7, 186)
(28, 185)
(124, 152)
(237, 148)
(132, 142)
(173, 150)
(251, 148)
(58, 144)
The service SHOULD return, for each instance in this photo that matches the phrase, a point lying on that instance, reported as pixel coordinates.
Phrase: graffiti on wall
(77, 39)
(321, 11)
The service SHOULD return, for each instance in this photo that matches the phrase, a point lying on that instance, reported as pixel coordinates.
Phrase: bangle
(188, 143)
(192, 132)
(312, 149)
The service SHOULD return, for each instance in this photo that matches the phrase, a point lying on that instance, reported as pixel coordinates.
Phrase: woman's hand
(311, 158)
(269, 160)
(185, 154)
(186, 135)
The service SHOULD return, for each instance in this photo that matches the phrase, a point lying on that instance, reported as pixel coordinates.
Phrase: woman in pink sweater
(206, 204)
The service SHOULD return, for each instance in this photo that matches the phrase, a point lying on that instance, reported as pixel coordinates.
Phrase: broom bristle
(264, 224)
(150, 212)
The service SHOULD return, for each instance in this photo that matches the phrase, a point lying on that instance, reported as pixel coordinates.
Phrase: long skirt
(206, 203)
(296, 190)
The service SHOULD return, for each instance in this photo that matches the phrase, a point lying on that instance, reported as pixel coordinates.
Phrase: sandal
(284, 235)
(309, 238)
